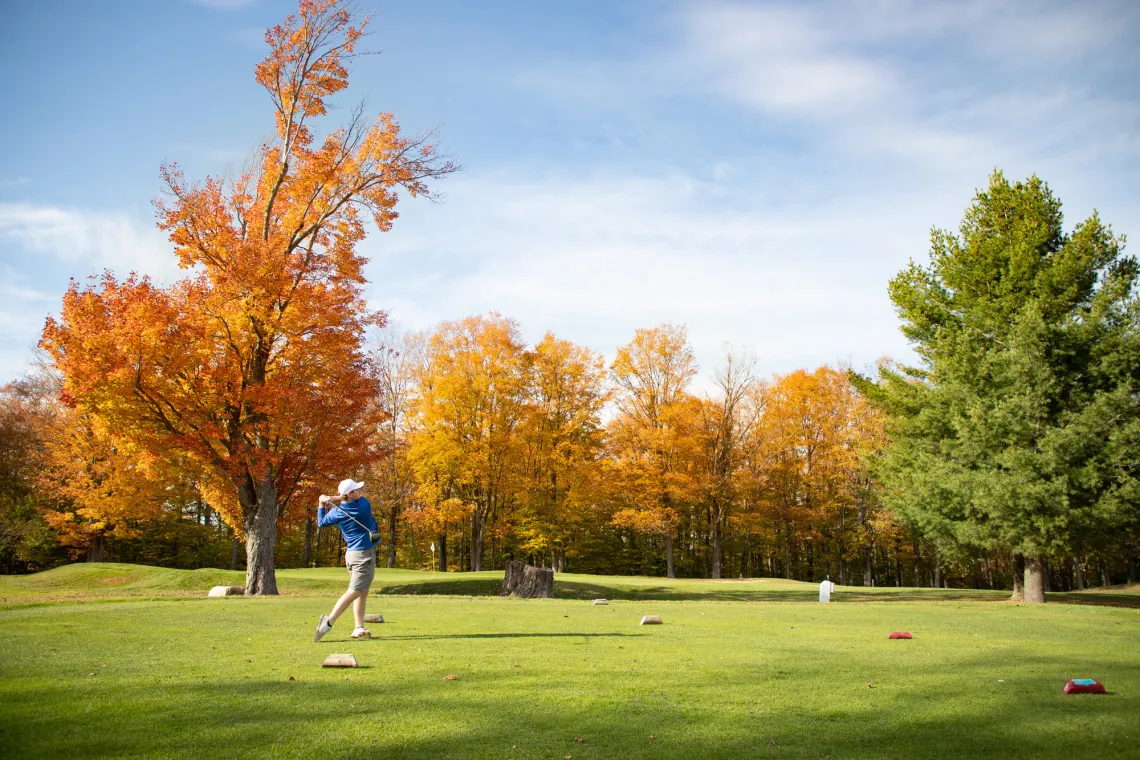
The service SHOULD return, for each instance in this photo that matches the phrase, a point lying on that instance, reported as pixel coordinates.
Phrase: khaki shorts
(361, 569)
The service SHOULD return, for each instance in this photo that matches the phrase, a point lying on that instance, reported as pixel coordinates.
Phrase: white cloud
(775, 59)
(41, 246)
(595, 259)
(22, 312)
(87, 242)
(943, 85)
(950, 88)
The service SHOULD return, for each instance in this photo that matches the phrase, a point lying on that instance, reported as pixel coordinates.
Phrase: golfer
(353, 514)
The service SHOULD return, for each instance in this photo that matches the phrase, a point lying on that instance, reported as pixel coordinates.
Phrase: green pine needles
(1020, 428)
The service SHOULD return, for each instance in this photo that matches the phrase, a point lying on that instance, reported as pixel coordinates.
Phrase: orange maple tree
(652, 438)
(252, 366)
(470, 406)
(562, 442)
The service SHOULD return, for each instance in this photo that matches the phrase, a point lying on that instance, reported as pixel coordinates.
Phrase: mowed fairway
(186, 676)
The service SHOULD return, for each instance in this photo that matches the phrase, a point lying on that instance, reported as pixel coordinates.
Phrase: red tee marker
(1083, 686)
(900, 635)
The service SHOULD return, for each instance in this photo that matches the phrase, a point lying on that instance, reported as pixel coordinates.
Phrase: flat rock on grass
(374, 618)
(227, 591)
(651, 620)
(598, 602)
(340, 661)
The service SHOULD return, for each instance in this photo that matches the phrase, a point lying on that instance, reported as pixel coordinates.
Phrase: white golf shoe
(323, 627)
(362, 633)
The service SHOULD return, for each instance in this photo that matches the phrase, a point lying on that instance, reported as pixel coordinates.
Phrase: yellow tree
(397, 359)
(807, 458)
(651, 436)
(726, 422)
(799, 440)
(433, 518)
(28, 410)
(469, 406)
(864, 436)
(101, 488)
(253, 366)
(562, 436)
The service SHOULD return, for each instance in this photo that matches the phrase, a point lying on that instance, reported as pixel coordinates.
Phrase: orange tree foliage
(807, 461)
(652, 438)
(252, 365)
(392, 481)
(27, 409)
(100, 486)
(562, 439)
(725, 424)
(470, 406)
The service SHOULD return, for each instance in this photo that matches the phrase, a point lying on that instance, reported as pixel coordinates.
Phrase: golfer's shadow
(506, 636)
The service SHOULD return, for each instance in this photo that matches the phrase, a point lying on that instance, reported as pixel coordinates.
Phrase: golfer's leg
(342, 604)
(358, 608)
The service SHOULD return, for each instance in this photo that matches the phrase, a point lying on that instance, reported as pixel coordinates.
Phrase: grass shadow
(511, 636)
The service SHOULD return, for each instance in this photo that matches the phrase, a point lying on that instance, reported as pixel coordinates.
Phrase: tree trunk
(842, 570)
(260, 523)
(441, 545)
(1034, 580)
(717, 550)
(1078, 573)
(527, 582)
(476, 542)
(1131, 565)
(917, 565)
(392, 519)
(669, 571)
(1018, 577)
(97, 549)
(234, 551)
(788, 553)
(898, 566)
(308, 540)
(868, 571)
(937, 572)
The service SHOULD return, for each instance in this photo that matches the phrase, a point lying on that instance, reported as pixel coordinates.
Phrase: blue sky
(756, 171)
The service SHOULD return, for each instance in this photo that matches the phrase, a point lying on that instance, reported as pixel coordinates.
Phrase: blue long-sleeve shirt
(356, 538)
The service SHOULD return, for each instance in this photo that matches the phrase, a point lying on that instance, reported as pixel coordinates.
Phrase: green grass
(170, 673)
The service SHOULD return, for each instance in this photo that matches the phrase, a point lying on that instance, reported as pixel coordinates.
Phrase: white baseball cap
(347, 486)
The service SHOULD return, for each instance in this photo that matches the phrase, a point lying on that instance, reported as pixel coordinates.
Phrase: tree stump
(528, 582)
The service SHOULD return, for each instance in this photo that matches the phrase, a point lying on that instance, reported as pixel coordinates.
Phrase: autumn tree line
(491, 450)
(195, 424)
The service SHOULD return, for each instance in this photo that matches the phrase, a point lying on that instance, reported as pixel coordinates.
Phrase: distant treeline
(1009, 454)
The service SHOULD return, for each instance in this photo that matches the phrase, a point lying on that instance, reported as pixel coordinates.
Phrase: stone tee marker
(375, 617)
(1083, 686)
(227, 591)
(598, 602)
(825, 590)
(651, 620)
(340, 661)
